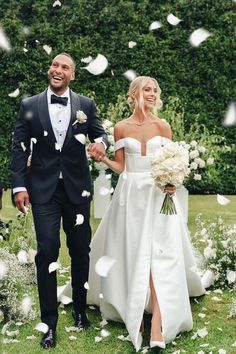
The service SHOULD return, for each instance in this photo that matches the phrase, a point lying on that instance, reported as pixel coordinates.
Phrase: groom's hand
(21, 200)
(96, 151)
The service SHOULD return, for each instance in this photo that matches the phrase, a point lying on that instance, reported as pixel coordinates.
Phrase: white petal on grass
(65, 300)
(230, 116)
(3, 270)
(92, 308)
(85, 194)
(47, 49)
(31, 337)
(222, 351)
(222, 200)
(98, 65)
(132, 44)
(121, 337)
(42, 327)
(53, 266)
(45, 133)
(104, 265)
(4, 41)
(202, 333)
(234, 344)
(215, 298)
(103, 322)
(198, 36)
(87, 59)
(22, 256)
(130, 75)
(97, 339)
(104, 333)
(218, 291)
(72, 338)
(26, 304)
(56, 3)
(81, 138)
(71, 329)
(155, 25)
(86, 285)
(12, 333)
(79, 219)
(173, 20)
(14, 93)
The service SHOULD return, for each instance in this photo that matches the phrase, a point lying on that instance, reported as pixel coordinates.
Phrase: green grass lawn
(221, 330)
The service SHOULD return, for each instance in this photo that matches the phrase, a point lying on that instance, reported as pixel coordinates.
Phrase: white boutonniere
(80, 117)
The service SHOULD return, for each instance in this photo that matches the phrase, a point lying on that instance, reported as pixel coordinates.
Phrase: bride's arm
(118, 164)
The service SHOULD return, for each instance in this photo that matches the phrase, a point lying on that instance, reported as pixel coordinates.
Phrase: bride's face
(149, 95)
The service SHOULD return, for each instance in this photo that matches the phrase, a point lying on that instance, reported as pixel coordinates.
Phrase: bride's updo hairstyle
(136, 86)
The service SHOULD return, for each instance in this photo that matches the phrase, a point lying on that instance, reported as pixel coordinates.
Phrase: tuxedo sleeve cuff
(19, 189)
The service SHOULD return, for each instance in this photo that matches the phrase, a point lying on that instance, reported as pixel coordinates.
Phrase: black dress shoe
(81, 321)
(49, 339)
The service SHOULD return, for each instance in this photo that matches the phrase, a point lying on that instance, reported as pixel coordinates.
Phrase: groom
(52, 128)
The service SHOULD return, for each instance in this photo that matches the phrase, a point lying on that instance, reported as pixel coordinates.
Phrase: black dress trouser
(47, 220)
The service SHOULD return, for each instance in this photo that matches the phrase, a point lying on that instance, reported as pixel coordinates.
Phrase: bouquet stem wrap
(168, 206)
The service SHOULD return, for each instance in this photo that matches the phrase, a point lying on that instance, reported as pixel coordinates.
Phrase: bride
(154, 265)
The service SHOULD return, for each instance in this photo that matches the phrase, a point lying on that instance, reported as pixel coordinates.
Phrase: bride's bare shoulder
(164, 127)
(121, 127)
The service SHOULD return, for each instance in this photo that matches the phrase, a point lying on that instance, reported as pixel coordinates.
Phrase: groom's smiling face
(60, 73)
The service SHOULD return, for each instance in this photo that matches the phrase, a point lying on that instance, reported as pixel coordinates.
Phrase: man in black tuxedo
(52, 128)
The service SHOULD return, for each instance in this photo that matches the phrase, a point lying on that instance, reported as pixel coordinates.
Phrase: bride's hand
(170, 190)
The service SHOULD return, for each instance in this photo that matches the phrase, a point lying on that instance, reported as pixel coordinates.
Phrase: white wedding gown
(143, 241)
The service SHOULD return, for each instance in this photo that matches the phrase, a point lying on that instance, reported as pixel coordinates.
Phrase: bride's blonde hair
(136, 86)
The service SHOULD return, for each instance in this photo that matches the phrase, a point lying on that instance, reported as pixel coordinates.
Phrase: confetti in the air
(198, 36)
(42, 327)
(22, 256)
(104, 265)
(105, 191)
(45, 133)
(230, 116)
(79, 219)
(98, 65)
(81, 138)
(34, 140)
(132, 44)
(222, 200)
(47, 49)
(14, 93)
(155, 25)
(53, 266)
(57, 146)
(85, 194)
(87, 59)
(100, 296)
(25, 50)
(86, 285)
(173, 20)
(4, 41)
(56, 3)
(26, 304)
(130, 75)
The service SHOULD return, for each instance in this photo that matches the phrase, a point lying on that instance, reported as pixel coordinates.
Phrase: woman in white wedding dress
(154, 267)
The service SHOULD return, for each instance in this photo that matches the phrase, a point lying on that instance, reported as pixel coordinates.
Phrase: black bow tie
(61, 100)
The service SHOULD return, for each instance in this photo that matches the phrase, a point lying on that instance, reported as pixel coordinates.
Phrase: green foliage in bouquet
(218, 244)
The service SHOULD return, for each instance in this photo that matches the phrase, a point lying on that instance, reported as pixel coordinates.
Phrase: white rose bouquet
(170, 168)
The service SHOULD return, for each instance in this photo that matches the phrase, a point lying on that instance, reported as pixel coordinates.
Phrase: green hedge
(203, 78)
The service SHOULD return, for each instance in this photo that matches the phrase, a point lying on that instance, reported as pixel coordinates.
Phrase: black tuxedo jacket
(41, 178)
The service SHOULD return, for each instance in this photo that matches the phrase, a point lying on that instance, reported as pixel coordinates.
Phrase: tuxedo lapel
(75, 106)
(44, 116)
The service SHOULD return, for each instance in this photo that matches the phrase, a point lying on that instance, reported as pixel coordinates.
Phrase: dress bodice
(134, 160)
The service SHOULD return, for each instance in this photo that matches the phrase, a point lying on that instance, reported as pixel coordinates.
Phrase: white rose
(203, 232)
(202, 164)
(187, 146)
(197, 177)
(210, 161)
(193, 143)
(209, 253)
(193, 154)
(201, 149)
(231, 276)
(193, 166)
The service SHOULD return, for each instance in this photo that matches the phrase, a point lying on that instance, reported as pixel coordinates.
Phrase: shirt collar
(65, 94)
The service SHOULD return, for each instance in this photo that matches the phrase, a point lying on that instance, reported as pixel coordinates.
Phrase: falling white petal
(85, 194)
(34, 140)
(25, 50)
(98, 65)
(104, 265)
(87, 59)
(22, 256)
(130, 75)
(3, 270)
(65, 300)
(104, 191)
(14, 93)
(56, 3)
(42, 327)
(155, 25)
(230, 116)
(47, 49)
(81, 138)
(57, 146)
(198, 36)
(100, 296)
(222, 200)
(4, 41)
(45, 133)
(132, 44)
(53, 266)
(79, 219)
(173, 20)
(86, 285)
(105, 333)
(26, 304)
